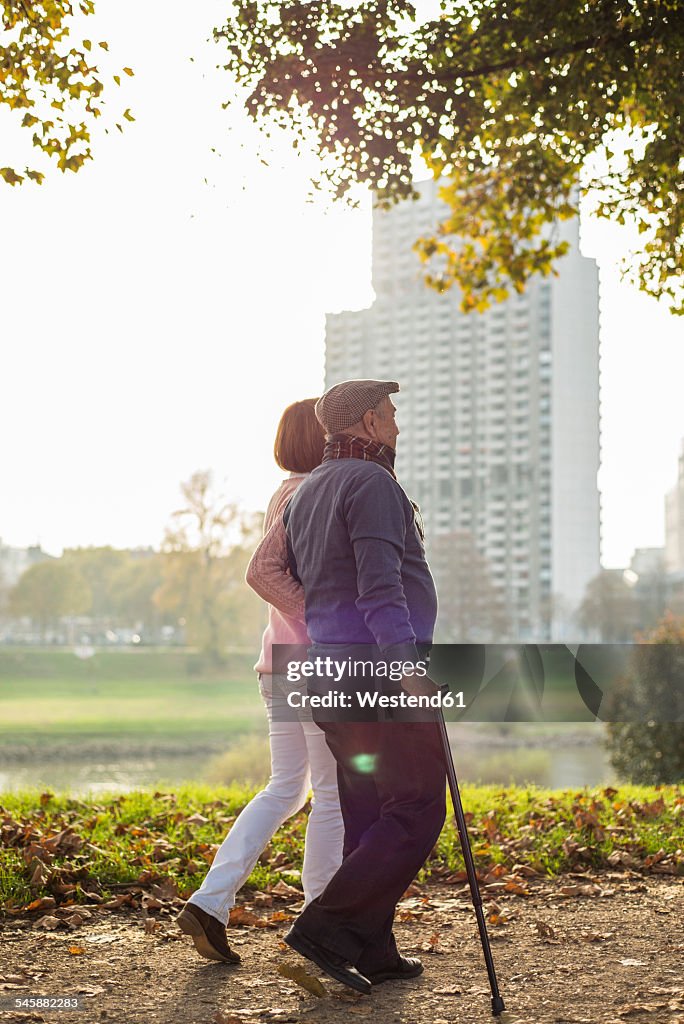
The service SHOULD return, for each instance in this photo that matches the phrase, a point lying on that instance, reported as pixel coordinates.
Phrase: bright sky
(160, 308)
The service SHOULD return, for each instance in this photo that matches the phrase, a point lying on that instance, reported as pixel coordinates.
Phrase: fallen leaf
(620, 857)
(167, 890)
(580, 890)
(118, 901)
(516, 889)
(525, 870)
(497, 920)
(40, 873)
(240, 916)
(76, 950)
(196, 819)
(596, 936)
(544, 930)
(94, 897)
(48, 923)
(90, 990)
(281, 915)
(406, 915)
(652, 810)
(150, 903)
(285, 891)
(639, 1008)
(302, 978)
(279, 860)
(46, 903)
(263, 899)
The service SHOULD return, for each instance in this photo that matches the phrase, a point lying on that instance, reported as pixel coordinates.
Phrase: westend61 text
(373, 699)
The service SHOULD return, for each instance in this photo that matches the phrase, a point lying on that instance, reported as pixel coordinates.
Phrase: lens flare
(364, 763)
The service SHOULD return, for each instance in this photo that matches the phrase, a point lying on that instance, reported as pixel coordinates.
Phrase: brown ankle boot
(208, 934)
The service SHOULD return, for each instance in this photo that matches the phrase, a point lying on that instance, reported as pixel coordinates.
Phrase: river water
(568, 757)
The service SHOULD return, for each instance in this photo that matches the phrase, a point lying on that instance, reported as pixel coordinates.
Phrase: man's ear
(368, 420)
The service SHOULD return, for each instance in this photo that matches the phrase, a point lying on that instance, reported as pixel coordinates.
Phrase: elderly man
(355, 545)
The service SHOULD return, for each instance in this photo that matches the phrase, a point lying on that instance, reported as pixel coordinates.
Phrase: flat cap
(344, 404)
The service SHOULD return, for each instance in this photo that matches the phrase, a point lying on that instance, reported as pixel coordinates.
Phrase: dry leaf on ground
(302, 978)
(284, 891)
(544, 930)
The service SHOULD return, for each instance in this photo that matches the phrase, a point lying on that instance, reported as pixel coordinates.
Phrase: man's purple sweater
(355, 547)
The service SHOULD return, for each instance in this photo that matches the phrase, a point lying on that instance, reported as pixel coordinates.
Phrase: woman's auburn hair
(300, 438)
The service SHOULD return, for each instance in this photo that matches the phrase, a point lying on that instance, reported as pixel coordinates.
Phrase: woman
(300, 757)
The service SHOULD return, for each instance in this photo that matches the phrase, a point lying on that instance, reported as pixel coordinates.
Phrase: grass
(53, 696)
(149, 834)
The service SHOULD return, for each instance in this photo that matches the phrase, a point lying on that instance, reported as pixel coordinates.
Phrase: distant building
(499, 420)
(648, 562)
(674, 522)
(15, 561)
(652, 591)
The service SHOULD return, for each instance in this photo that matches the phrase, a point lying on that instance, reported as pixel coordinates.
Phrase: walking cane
(497, 1001)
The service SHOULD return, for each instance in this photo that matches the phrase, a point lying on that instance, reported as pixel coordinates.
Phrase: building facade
(499, 420)
(674, 522)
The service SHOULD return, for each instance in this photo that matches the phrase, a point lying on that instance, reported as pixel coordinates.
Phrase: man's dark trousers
(392, 786)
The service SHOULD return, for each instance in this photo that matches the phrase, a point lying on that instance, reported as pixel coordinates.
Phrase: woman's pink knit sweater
(267, 574)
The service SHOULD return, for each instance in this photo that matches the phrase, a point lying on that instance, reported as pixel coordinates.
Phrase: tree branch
(519, 61)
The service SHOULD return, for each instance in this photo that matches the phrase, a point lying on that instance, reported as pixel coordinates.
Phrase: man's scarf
(347, 446)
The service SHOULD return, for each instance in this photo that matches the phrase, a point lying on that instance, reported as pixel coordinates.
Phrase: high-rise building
(674, 522)
(499, 420)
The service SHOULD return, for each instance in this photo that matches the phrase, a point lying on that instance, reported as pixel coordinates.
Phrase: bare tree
(202, 571)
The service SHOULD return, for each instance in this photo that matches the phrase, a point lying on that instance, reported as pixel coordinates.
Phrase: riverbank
(73, 851)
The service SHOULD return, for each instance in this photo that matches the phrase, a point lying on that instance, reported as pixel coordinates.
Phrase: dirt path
(609, 954)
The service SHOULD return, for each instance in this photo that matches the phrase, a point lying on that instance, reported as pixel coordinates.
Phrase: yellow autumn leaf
(10, 176)
(302, 978)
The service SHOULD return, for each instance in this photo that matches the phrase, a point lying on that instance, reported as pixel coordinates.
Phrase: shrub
(646, 734)
(248, 763)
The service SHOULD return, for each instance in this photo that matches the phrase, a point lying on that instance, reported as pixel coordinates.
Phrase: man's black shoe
(405, 967)
(335, 966)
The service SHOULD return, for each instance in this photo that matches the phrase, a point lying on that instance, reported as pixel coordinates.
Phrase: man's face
(386, 429)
